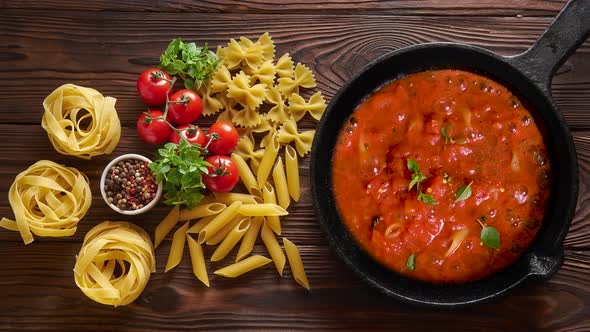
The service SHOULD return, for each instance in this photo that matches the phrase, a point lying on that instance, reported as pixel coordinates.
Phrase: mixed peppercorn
(130, 185)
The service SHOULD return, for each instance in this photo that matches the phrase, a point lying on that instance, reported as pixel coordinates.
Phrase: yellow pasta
(243, 266)
(199, 225)
(229, 108)
(265, 73)
(284, 67)
(288, 133)
(68, 108)
(111, 246)
(249, 96)
(47, 199)
(295, 263)
(303, 78)
(253, 210)
(219, 221)
(267, 45)
(200, 211)
(247, 117)
(228, 198)
(249, 239)
(166, 225)
(197, 260)
(268, 195)
(246, 175)
(278, 113)
(177, 247)
(270, 154)
(220, 79)
(273, 248)
(292, 167)
(280, 180)
(219, 236)
(315, 106)
(231, 240)
(245, 148)
(211, 104)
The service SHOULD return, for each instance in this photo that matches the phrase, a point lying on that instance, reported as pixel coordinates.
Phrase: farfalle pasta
(265, 73)
(250, 96)
(68, 108)
(315, 106)
(284, 67)
(288, 133)
(278, 112)
(303, 77)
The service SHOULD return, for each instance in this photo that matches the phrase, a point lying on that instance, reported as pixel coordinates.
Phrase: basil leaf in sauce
(490, 237)
(463, 193)
(416, 179)
(413, 166)
(411, 263)
(427, 199)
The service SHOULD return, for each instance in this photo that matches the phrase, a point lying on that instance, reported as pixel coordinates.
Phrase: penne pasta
(295, 263)
(177, 248)
(166, 225)
(199, 225)
(292, 168)
(219, 221)
(200, 211)
(249, 238)
(231, 240)
(280, 180)
(273, 248)
(246, 174)
(268, 194)
(197, 260)
(219, 236)
(246, 265)
(265, 209)
(228, 198)
(268, 160)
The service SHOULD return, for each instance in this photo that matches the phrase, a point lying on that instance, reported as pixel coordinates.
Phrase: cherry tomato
(152, 85)
(223, 176)
(185, 106)
(227, 138)
(191, 133)
(154, 130)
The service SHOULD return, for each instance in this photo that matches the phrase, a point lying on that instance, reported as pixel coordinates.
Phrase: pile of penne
(222, 220)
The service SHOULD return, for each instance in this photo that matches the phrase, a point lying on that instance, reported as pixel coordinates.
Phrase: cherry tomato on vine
(191, 133)
(152, 128)
(223, 175)
(152, 86)
(227, 138)
(185, 106)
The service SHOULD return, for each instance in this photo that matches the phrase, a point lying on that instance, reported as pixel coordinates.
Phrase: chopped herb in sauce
(376, 221)
(411, 262)
(463, 193)
(489, 235)
(418, 178)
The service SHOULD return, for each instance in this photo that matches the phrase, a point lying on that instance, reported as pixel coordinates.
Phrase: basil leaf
(411, 262)
(490, 237)
(427, 199)
(463, 193)
(413, 166)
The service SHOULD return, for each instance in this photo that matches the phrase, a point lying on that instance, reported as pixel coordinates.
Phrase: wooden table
(106, 44)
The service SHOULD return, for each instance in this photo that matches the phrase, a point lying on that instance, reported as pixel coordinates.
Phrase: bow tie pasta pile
(262, 96)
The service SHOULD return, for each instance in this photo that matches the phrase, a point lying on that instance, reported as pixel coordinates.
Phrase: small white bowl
(104, 194)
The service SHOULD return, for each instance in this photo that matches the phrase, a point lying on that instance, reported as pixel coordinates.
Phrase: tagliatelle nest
(81, 122)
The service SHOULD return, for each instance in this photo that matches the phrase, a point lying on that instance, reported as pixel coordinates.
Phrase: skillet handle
(568, 31)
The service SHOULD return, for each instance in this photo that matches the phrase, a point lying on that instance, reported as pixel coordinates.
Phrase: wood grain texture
(105, 44)
(398, 7)
(336, 47)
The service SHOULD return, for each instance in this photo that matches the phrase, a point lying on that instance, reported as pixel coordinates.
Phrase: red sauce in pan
(462, 131)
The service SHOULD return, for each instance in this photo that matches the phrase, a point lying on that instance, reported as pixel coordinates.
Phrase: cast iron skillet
(528, 76)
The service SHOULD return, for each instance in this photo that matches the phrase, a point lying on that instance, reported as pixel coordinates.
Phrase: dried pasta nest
(115, 263)
(48, 199)
(81, 122)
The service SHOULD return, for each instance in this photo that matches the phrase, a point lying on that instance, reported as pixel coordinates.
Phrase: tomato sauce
(482, 163)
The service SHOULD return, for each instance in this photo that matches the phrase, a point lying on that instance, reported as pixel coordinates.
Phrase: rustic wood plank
(336, 47)
(399, 7)
(49, 299)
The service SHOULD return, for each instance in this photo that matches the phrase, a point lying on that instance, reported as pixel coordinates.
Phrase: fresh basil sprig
(181, 167)
(192, 63)
(411, 262)
(418, 178)
(489, 235)
(463, 193)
